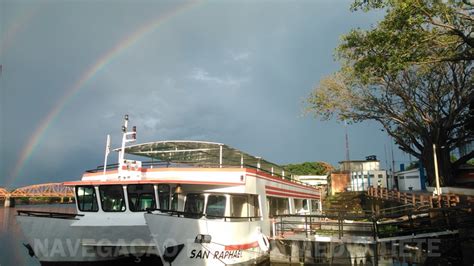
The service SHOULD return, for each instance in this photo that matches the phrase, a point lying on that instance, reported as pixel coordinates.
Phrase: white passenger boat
(200, 203)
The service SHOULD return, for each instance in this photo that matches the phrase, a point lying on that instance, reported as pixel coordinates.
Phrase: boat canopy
(203, 154)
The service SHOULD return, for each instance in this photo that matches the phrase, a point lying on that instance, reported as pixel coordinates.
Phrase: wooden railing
(415, 198)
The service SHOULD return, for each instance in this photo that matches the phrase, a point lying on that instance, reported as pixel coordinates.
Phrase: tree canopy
(309, 168)
(412, 32)
(412, 73)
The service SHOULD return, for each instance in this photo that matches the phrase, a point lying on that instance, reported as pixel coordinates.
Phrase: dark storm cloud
(233, 72)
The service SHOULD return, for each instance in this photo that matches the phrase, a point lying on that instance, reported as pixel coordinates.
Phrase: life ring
(263, 242)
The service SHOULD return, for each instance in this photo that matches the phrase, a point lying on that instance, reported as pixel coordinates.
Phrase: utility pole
(393, 163)
(435, 161)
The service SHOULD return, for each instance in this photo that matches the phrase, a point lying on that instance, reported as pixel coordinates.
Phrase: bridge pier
(9, 202)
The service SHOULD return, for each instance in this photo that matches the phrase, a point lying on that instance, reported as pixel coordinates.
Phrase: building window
(112, 198)
(141, 197)
(164, 196)
(86, 199)
(216, 205)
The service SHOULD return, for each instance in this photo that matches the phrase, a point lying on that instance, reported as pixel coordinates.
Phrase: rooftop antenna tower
(347, 155)
(347, 142)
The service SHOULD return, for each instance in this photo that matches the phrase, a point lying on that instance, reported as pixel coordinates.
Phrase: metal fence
(411, 223)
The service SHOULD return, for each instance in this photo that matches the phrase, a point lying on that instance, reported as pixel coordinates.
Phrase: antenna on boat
(126, 139)
(107, 151)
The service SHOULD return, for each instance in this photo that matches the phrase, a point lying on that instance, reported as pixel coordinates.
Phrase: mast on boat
(107, 151)
(127, 136)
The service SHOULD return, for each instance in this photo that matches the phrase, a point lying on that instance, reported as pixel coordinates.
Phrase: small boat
(192, 202)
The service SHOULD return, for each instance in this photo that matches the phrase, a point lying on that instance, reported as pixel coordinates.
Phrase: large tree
(413, 73)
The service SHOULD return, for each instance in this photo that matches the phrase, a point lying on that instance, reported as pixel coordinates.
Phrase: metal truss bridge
(47, 190)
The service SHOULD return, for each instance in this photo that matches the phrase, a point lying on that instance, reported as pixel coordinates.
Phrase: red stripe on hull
(276, 193)
(291, 191)
(242, 246)
(261, 175)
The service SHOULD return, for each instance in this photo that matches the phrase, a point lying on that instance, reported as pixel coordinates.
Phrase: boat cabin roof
(202, 154)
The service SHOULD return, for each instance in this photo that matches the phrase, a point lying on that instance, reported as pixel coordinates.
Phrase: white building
(408, 180)
(359, 165)
(365, 173)
(361, 180)
(314, 180)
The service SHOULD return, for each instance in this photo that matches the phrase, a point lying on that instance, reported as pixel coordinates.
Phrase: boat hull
(230, 243)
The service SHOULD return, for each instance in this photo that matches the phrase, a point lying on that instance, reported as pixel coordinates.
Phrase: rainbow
(91, 71)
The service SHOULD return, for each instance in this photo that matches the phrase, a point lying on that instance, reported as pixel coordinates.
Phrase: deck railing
(194, 215)
(44, 214)
(160, 164)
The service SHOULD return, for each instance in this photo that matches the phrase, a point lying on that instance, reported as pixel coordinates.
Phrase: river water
(12, 251)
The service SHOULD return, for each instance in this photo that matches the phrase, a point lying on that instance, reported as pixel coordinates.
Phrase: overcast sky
(235, 72)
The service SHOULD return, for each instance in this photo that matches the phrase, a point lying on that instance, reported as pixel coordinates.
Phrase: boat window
(239, 206)
(86, 199)
(174, 201)
(216, 205)
(301, 206)
(278, 206)
(164, 196)
(194, 205)
(314, 206)
(112, 198)
(254, 206)
(141, 197)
